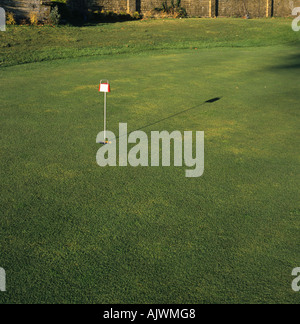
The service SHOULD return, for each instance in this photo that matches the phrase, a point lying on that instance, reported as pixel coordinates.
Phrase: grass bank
(23, 44)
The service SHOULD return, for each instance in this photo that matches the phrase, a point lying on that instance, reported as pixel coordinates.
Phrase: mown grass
(73, 232)
(35, 44)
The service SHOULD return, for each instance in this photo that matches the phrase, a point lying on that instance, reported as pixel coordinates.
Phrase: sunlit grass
(73, 232)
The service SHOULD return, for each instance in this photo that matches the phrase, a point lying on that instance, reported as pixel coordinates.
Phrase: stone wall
(205, 8)
(256, 8)
(238, 8)
(198, 8)
(284, 8)
(195, 8)
(114, 5)
(23, 8)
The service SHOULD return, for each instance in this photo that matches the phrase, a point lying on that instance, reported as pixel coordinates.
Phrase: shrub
(23, 22)
(10, 19)
(136, 15)
(112, 16)
(173, 10)
(54, 17)
(33, 18)
(182, 13)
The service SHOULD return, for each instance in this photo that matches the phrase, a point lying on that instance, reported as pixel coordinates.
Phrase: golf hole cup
(105, 88)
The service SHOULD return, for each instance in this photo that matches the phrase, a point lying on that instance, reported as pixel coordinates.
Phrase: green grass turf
(34, 44)
(73, 232)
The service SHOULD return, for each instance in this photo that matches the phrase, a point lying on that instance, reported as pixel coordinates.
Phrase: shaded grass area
(34, 44)
(74, 232)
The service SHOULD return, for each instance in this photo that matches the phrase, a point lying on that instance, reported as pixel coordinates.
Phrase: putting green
(72, 231)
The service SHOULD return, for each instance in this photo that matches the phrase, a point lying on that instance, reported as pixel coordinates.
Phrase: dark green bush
(174, 9)
(54, 17)
(111, 16)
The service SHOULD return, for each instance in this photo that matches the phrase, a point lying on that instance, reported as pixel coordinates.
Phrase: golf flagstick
(104, 116)
(104, 87)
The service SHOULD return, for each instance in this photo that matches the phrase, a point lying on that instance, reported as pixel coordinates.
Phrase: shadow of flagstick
(161, 120)
(179, 113)
(174, 115)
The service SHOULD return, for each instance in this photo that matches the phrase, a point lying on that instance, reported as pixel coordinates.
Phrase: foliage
(136, 15)
(33, 18)
(174, 9)
(112, 16)
(54, 17)
(10, 18)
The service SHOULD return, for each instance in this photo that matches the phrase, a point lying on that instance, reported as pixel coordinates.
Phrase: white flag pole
(104, 116)
(105, 87)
